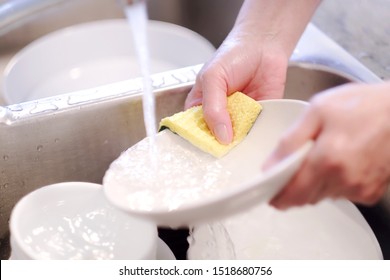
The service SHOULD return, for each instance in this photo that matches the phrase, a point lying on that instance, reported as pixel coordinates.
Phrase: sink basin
(75, 136)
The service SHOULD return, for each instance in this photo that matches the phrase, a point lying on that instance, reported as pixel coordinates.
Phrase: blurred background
(362, 27)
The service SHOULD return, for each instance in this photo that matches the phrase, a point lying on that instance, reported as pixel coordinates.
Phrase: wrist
(267, 43)
(278, 23)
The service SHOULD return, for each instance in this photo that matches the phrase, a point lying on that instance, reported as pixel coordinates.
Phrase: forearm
(277, 21)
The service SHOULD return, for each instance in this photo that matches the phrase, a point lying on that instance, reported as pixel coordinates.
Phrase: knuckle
(298, 200)
(335, 162)
(370, 200)
(330, 162)
(351, 183)
(316, 103)
(202, 76)
(372, 195)
(210, 72)
(301, 191)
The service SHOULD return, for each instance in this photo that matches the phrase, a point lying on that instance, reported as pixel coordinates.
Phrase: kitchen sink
(75, 136)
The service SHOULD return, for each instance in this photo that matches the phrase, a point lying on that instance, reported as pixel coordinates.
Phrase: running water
(136, 13)
(211, 242)
(137, 17)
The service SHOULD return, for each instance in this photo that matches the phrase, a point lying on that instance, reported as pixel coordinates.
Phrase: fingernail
(221, 133)
(278, 206)
(276, 203)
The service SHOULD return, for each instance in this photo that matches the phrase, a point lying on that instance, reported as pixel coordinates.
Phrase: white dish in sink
(94, 54)
(328, 230)
(188, 186)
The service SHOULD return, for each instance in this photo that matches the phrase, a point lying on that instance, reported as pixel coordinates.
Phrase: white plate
(219, 187)
(330, 230)
(94, 54)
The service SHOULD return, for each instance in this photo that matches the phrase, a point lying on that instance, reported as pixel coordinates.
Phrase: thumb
(306, 128)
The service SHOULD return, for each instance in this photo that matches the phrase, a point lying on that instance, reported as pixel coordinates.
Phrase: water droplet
(39, 148)
(16, 107)
(43, 107)
(158, 82)
(5, 157)
(56, 140)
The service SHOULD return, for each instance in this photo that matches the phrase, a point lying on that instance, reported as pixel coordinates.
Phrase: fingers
(211, 90)
(195, 96)
(314, 181)
(367, 194)
(238, 65)
(301, 189)
(215, 107)
(330, 171)
(304, 186)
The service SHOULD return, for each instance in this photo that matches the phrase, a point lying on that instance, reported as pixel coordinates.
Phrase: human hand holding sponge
(191, 125)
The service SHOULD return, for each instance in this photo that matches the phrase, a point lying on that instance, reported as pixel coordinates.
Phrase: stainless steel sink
(75, 136)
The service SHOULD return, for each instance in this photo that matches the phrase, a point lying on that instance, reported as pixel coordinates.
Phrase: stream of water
(137, 17)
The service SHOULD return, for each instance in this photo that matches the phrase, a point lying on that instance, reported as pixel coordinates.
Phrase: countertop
(362, 27)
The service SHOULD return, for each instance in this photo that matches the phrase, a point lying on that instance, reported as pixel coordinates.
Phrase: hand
(242, 63)
(253, 59)
(351, 153)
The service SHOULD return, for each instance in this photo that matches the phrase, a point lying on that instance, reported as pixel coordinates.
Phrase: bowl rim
(71, 186)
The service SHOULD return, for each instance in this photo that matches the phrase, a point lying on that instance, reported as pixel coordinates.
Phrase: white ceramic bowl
(94, 54)
(73, 220)
(329, 230)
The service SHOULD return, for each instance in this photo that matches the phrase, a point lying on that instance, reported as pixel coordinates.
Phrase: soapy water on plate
(174, 183)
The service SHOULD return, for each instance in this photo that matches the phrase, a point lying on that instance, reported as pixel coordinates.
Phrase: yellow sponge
(191, 125)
